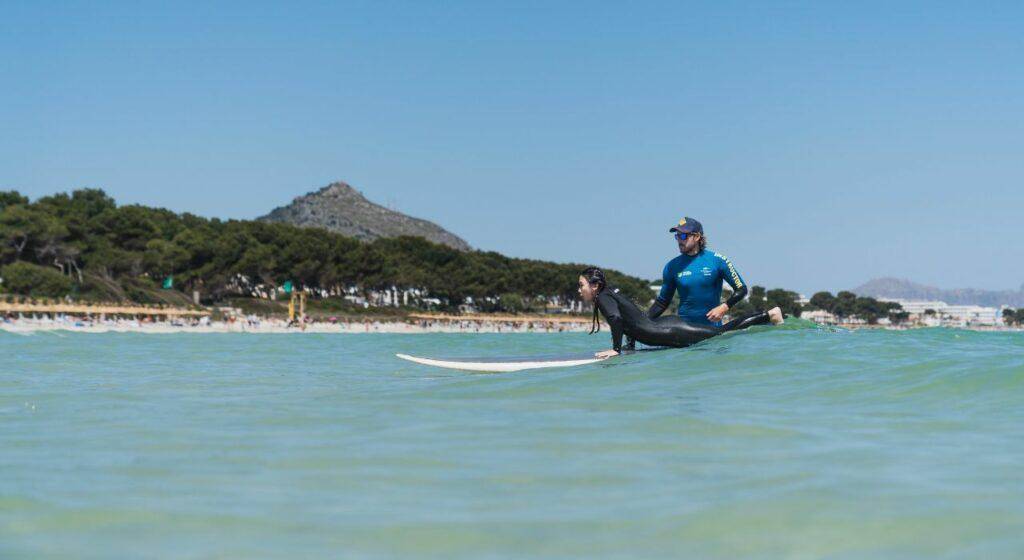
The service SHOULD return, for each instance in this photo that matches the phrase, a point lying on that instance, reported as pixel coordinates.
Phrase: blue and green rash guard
(698, 279)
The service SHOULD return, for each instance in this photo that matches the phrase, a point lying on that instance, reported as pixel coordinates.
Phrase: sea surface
(786, 442)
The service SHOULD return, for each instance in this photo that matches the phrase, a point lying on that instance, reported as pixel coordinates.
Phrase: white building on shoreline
(940, 313)
(924, 313)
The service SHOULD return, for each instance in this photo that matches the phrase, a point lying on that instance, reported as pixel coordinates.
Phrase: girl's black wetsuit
(624, 317)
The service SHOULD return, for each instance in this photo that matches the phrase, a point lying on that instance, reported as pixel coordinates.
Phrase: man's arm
(668, 289)
(739, 288)
(732, 277)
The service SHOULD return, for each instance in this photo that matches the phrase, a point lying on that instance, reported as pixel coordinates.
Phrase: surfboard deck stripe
(501, 365)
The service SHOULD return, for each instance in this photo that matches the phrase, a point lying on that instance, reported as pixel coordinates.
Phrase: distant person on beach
(625, 318)
(697, 275)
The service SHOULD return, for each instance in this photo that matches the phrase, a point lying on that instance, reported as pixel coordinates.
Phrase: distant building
(940, 313)
(820, 316)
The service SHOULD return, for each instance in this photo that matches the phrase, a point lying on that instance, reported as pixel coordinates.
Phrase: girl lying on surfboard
(625, 318)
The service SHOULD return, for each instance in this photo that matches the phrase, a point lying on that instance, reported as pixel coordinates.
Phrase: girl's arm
(610, 309)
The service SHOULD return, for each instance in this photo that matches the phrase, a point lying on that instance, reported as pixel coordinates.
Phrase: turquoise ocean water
(793, 442)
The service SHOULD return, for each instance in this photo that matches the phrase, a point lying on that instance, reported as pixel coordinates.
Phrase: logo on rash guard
(706, 271)
(684, 273)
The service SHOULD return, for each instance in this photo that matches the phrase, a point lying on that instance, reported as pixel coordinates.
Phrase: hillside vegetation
(85, 246)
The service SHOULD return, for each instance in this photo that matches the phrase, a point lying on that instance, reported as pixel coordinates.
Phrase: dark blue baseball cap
(688, 225)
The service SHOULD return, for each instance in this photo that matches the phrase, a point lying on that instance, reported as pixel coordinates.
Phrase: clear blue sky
(820, 144)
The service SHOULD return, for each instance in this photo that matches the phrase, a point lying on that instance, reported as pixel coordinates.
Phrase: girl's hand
(606, 354)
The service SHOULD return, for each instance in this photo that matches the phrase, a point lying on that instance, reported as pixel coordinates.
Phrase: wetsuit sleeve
(732, 277)
(610, 309)
(668, 289)
(657, 308)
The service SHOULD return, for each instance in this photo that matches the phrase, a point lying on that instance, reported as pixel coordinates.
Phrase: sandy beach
(28, 325)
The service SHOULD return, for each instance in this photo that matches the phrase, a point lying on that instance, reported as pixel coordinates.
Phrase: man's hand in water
(606, 354)
(716, 314)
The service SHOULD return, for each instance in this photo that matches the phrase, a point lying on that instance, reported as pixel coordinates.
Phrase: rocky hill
(897, 288)
(340, 208)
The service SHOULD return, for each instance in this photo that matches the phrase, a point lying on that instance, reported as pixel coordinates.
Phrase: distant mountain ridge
(897, 288)
(342, 209)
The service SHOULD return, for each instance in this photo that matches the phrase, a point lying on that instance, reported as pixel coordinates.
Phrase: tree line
(1013, 317)
(85, 246)
(848, 304)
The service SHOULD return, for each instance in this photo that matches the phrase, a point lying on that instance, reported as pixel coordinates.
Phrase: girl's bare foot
(775, 314)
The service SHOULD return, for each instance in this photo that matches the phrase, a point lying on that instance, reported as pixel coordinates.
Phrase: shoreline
(503, 325)
(277, 326)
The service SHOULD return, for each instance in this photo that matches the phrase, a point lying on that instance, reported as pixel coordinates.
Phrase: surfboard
(505, 364)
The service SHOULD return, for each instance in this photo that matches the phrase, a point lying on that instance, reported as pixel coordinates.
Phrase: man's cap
(687, 225)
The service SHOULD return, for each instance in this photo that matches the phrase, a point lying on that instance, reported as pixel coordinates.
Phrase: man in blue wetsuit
(697, 275)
